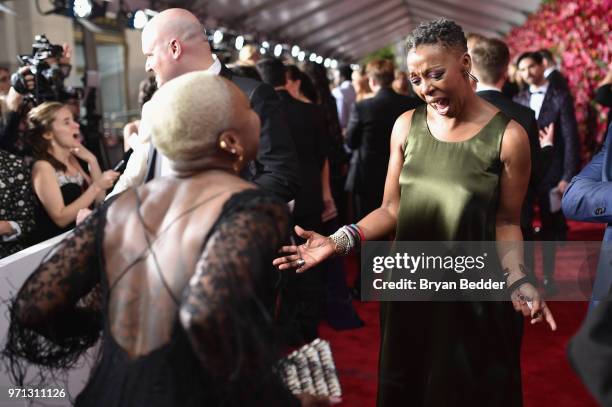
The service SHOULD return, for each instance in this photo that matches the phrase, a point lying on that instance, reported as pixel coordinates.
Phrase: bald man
(174, 43)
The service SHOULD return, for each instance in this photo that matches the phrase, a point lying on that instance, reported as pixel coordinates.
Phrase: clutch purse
(311, 369)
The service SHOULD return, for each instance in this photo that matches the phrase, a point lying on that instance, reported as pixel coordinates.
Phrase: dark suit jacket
(540, 157)
(556, 79)
(308, 130)
(369, 135)
(276, 167)
(558, 108)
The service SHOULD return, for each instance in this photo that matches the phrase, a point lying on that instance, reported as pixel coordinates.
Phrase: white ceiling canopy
(348, 29)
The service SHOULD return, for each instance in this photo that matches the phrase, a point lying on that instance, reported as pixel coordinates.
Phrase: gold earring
(238, 163)
(223, 144)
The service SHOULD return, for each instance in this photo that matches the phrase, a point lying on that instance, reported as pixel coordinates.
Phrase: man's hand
(82, 214)
(547, 135)
(25, 85)
(5, 228)
(13, 100)
(562, 186)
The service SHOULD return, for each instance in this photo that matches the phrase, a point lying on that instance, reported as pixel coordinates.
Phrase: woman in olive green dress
(458, 171)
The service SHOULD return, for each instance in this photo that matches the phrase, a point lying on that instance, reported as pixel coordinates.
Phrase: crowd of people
(226, 158)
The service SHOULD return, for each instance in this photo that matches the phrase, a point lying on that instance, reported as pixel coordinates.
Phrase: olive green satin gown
(440, 354)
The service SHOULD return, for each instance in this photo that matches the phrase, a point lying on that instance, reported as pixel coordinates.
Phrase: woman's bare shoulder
(401, 129)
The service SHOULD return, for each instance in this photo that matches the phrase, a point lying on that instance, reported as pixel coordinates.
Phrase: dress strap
(497, 126)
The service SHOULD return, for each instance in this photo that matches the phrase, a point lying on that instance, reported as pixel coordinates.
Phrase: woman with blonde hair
(175, 276)
(60, 184)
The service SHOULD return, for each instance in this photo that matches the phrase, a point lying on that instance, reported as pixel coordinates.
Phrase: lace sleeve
(227, 307)
(56, 315)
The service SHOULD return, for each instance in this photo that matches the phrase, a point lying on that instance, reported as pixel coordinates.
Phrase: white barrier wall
(13, 272)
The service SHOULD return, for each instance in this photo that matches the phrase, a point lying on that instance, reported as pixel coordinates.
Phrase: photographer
(39, 79)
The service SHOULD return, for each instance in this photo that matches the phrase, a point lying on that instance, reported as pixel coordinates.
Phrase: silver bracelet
(342, 241)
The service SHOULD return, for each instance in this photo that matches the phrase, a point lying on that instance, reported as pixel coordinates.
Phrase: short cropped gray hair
(188, 114)
(440, 31)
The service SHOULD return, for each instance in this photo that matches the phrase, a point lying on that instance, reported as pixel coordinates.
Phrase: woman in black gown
(176, 275)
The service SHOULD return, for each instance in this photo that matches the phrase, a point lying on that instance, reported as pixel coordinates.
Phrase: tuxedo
(369, 136)
(556, 79)
(276, 167)
(540, 157)
(558, 108)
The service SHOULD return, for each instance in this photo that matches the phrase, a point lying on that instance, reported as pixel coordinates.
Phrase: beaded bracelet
(356, 228)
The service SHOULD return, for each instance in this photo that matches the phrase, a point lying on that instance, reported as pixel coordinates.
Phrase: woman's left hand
(527, 299)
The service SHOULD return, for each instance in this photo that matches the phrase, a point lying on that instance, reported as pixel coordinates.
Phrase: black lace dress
(222, 345)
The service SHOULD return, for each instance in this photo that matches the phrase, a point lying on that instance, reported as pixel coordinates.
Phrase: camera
(48, 72)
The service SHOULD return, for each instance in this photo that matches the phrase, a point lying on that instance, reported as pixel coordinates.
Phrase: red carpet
(547, 377)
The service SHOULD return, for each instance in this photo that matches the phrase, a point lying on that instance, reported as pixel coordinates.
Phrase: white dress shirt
(537, 98)
(481, 87)
(345, 98)
(137, 166)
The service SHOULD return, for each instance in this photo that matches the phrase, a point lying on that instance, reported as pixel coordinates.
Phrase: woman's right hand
(316, 249)
(106, 180)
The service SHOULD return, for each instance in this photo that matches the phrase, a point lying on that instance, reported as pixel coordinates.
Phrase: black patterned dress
(71, 187)
(16, 203)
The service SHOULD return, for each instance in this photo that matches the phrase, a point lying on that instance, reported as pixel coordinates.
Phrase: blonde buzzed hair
(188, 114)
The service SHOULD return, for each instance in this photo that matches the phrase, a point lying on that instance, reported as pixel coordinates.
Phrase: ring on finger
(300, 262)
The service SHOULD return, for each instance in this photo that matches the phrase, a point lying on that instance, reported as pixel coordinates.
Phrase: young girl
(60, 183)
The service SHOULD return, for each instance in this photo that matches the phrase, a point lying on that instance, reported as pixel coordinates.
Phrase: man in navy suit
(551, 105)
(588, 198)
